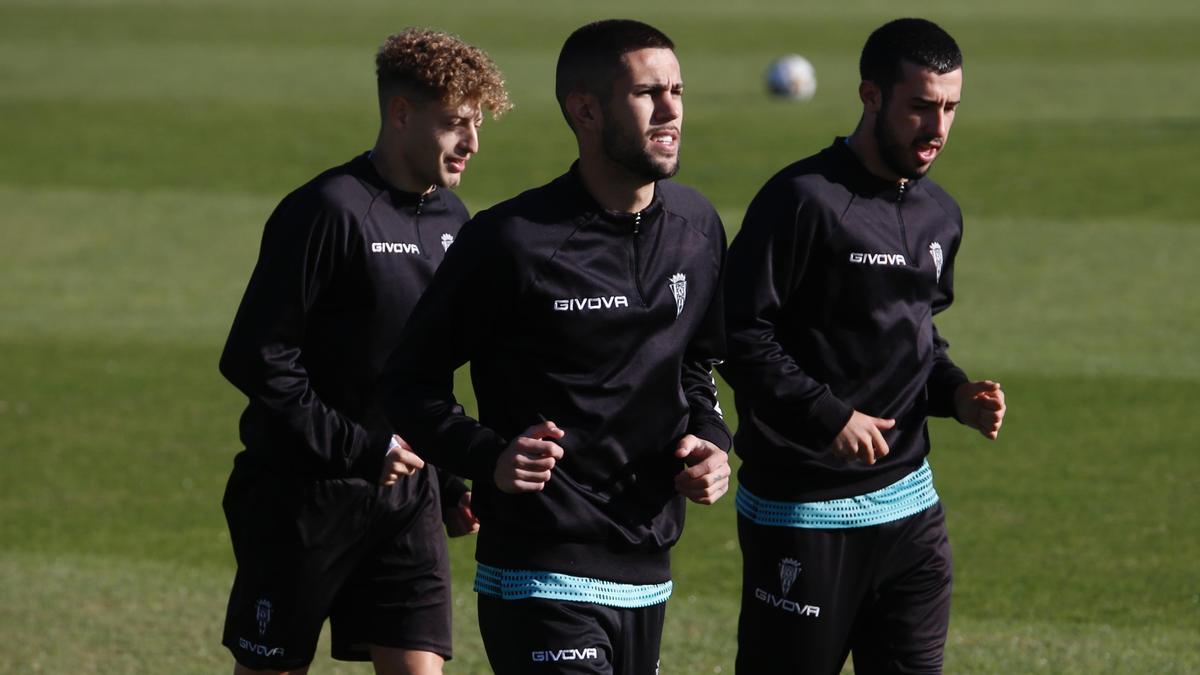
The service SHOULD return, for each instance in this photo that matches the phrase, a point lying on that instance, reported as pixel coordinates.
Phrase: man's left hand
(707, 475)
(461, 519)
(980, 405)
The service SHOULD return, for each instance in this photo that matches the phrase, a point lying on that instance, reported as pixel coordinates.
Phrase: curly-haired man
(331, 515)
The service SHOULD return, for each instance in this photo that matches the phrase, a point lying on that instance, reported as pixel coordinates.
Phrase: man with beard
(330, 514)
(590, 311)
(841, 263)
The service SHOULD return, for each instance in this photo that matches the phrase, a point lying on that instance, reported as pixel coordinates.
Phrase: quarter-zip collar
(420, 201)
(860, 180)
(589, 209)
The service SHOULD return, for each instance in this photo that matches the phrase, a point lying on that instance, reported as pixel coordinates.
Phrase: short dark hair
(917, 41)
(590, 59)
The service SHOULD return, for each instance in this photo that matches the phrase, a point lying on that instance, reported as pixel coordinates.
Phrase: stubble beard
(627, 150)
(892, 152)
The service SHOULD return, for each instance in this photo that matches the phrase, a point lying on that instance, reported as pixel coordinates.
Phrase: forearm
(763, 372)
(441, 435)
(945, 377)
(705, 419)
(282, 389)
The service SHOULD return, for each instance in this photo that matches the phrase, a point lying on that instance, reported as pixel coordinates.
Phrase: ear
(584, 111)
(398, 109)
(871, 96)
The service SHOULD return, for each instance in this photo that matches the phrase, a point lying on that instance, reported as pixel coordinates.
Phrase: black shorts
(535, 636)
(341, 549)
(812, 596)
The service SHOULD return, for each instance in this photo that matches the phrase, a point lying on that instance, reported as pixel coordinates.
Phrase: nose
(470, 141)
(937, 123)
(668, 106)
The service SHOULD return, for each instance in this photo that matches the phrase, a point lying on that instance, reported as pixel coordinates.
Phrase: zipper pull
(900, 188)
(637, 222)
(420, 203)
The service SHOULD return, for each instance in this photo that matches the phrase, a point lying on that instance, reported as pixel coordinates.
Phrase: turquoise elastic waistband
(912, 494)
(507, 584)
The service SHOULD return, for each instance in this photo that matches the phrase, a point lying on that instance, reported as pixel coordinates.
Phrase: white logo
(262, 612)
(786, 605)
(678, 284)
(789, 569)
(261, 650)
(578, 304)
(447, 239)
(716, 401)
(935, 250)
(877, 259)
(585, 654)
(394, 247)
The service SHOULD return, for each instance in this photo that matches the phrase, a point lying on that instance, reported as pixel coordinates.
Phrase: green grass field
(142, 145)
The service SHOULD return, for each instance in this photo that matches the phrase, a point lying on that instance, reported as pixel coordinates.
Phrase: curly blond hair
(438, 66)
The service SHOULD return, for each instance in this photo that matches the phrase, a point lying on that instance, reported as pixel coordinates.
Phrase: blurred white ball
(792, 76)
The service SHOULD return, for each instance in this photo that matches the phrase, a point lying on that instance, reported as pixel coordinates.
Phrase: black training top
(342, 263)
(606, 324)
(832, 285)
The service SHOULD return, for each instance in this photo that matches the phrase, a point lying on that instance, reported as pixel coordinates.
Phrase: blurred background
(143, 144)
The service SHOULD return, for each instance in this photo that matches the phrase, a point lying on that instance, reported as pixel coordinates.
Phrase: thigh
(801, 593)
(542, 637)
(287, 576)
(906, 625)
(637, 648)
(399, 595)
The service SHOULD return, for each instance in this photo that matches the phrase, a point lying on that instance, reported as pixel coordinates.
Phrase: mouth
(666, 139)
(456, 164)
(927, 152)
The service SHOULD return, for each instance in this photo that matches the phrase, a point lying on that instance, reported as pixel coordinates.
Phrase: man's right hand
(862, 439)
(399, 461)
(528, 462)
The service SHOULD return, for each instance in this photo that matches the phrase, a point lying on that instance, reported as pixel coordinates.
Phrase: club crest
(789, 569)
(447, 239)
(678, 284)
(262, 612)
(935, 250)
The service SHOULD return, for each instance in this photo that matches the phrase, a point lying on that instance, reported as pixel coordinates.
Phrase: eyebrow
(657, 85)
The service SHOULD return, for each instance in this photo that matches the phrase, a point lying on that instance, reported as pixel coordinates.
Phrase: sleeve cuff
(369, 464)
(941, 393)
(713, 431)
(481, 458)
(452, 488)
(829, 416)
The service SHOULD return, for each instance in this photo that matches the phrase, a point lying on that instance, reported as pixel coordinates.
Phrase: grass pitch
(144, 144)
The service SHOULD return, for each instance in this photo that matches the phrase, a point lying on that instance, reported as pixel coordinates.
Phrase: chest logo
(394, 247)
(935, 250)
(877, 259)
(678, 283)
(581, 304)
(447, 239)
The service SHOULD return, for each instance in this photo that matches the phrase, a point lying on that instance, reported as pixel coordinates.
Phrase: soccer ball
(793, 77)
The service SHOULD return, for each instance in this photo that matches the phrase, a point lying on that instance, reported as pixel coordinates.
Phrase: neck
(613, 186)
(864, 146)
(391, 166)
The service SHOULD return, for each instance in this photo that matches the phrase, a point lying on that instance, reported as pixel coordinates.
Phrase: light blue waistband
(507, 584)
(912, 494)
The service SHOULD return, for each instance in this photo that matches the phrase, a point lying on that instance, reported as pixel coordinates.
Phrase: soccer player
(842, 262)
(330, 514)
(590, 311)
